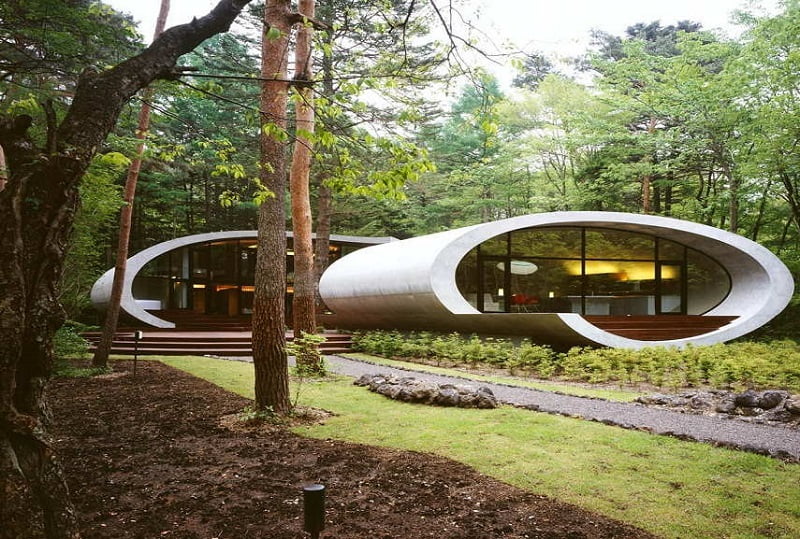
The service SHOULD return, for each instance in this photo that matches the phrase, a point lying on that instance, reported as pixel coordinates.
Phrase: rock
(726, 406)
(423, 392)
(409, 389)
(748, 399)
(701, 401)
(792, 404)
(467, 399)
(770, 406)
(771, 399)
(447, 397)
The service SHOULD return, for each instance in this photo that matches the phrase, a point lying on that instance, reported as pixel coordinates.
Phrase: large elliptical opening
(590, 271)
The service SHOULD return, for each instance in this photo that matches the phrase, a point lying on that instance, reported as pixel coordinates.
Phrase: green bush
(774, 364)
(67, 341)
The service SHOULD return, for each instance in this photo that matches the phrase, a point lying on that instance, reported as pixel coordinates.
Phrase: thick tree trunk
(103, 349)
(303, 302)
(269, 328)
(37, 209)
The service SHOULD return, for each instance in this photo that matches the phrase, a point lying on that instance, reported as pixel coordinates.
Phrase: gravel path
(775, 441)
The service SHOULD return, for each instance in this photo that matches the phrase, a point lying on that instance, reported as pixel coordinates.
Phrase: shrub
(774, 364)
(67, 341)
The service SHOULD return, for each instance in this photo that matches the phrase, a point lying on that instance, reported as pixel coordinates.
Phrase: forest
(669, 120)
(413, 134)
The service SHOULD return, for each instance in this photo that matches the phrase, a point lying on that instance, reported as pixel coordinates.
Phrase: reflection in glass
(495, 246)
(547, 242)
(604, 243)
(707, 283)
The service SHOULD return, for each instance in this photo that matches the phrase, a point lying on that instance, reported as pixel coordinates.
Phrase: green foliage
(305, 348)
(760, 365)
(67, 341)
(251, 415)
(101, 199)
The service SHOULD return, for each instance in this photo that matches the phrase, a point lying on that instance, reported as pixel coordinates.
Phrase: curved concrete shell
(136, 308)
(411, 284)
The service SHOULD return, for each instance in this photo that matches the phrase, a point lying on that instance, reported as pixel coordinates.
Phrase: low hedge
(757, 365)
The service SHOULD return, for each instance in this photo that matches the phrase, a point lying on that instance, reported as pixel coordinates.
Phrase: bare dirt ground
(151, 457)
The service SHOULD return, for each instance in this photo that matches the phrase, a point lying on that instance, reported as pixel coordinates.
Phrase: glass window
(543, 285)
(179, 263)
(247, 262)
(619, 244)
(547, 242)
(495, 246)
(707, 283)
(199, 255)
(493, 298)
(544, 272)
(222, 261)
(467, 277)
(158, 267)
(670, 251)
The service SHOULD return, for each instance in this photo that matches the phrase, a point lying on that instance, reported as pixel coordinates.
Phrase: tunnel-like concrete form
(203, 276)
(566, 278)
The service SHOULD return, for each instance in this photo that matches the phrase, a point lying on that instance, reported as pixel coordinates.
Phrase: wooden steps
(193, 342)
(659, 327)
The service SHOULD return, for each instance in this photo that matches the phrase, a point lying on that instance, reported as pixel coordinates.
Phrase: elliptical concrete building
(565, 278)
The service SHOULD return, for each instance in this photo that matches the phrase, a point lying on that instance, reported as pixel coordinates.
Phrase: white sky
(559, 28)
(547, 25)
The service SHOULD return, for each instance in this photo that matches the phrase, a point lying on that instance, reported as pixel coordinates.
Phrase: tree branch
(86, 125)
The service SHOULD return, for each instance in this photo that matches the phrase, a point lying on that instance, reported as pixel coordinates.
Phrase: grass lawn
(667, 486)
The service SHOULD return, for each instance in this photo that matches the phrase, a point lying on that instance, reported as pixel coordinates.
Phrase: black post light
(314, 509)
(138, 335)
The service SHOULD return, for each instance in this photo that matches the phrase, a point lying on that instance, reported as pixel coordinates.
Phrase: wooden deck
(659, 327)
(197, 342)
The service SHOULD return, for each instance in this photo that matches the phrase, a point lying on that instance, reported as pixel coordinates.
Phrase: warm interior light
(248, 288)
(500, 292)
(621, 271)
(198, 286)
(221, 287)
(290, 253)
(551, 294)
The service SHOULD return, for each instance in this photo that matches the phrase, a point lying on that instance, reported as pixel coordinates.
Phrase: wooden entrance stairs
(192, 342)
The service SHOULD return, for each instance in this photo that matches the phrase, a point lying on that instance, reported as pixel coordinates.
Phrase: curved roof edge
(101, 290)
(413, 281)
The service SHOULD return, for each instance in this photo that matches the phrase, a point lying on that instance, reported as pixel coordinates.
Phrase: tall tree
(269, 327)
(304, 297)
(103, 349)
(37, 208)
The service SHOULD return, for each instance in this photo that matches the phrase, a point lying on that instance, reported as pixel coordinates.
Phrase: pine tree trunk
(324, 193)
(103, 349)
(303, 302)
(322, 247)
(269, 304)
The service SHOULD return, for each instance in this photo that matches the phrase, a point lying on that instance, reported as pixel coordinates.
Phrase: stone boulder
(770, 406)
(408, 389)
